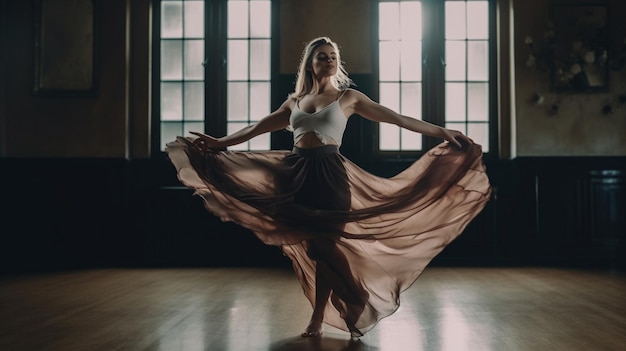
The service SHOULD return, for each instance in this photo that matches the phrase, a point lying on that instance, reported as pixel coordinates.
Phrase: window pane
(389, 59)
(249, 67)
(170, 130)
(259, 100)
(455, 60)
(479, 132)
(389, 21)
(182, 74)
(171, 19)
(388, 136)
(194, 55)
(194, 19)
(260, 19)
(171, 60)
(477, 60)
(390, 95)
(455, 20)
(192, 127)
(410, 140)
(411, 20)
(455, 102)
(237, 102)
(411, 99)
(232, 127)
(411, 60)
(238, 60)
(238, 19)
(261, 142)
(467, 58)
(194, 101)
(457, 126)
(400, 70)
(478, 20)
(260, 65)
(171, 101)
(478, 101)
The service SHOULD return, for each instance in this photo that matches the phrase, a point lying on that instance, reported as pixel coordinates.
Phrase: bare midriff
(309, 140)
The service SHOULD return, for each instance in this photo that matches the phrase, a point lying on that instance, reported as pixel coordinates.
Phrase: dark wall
(80, 213)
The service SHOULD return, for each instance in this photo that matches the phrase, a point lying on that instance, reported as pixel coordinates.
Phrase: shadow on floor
(320, 344)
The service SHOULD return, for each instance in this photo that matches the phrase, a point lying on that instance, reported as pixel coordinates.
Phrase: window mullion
(434, 69)
(493, 89)
(215, 77)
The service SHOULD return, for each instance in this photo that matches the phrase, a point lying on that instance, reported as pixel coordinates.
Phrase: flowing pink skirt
(368, 237)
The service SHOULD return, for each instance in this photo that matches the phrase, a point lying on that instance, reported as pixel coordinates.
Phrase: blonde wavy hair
(304, 77)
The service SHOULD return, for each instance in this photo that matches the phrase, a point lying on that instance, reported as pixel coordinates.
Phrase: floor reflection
(320, 344)
(452, 309)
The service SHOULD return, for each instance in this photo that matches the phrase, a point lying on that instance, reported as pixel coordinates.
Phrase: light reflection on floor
(449, 309)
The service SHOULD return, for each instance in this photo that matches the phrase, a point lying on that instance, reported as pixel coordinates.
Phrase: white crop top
(328, 123)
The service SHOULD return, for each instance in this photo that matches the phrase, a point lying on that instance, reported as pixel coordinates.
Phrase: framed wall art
(580, 43)
(65, 47)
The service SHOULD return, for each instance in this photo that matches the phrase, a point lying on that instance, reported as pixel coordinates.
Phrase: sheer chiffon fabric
(368, 237)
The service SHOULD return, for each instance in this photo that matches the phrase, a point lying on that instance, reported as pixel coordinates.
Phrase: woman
(356, 240)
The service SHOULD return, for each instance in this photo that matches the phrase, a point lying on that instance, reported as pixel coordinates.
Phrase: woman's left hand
(456, 138)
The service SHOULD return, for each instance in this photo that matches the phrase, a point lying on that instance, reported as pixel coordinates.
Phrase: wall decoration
(65, 47)
(580, 44)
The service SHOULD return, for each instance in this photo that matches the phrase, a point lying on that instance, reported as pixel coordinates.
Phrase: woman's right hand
(205, 142)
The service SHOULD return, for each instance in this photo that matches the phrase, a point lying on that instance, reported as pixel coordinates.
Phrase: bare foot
(313, 330)
(355, 333)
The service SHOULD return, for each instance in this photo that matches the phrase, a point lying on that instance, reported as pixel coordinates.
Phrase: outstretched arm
(364, 106)
(277, 120)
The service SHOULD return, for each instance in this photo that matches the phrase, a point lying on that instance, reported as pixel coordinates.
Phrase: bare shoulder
(355, 98)
(355, 101)
(347, 101)
(289, 103)
(354, 95)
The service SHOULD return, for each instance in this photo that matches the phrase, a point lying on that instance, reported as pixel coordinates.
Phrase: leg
(333, 274)
(326, 187)
(322, 292)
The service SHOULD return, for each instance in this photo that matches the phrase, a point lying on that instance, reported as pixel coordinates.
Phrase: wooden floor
(456, 309)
